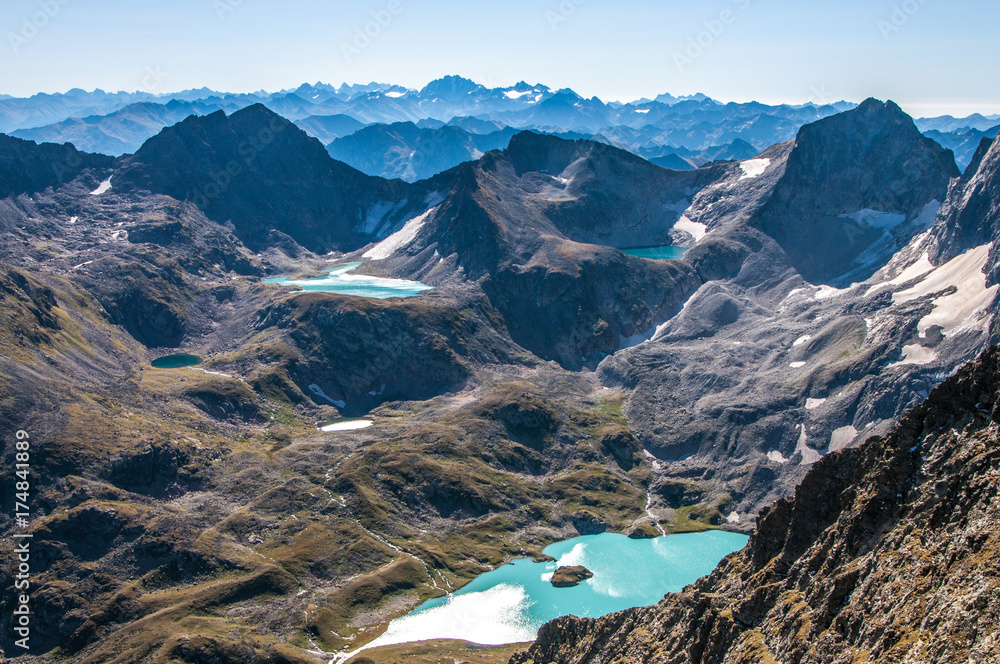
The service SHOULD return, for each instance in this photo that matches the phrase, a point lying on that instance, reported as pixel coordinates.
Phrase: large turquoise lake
(509, 604)
(657, 253)
(340, 280)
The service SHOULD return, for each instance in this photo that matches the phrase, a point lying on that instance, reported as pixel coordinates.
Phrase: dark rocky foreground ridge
(887, 553)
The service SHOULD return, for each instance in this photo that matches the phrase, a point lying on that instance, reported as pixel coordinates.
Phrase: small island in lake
(567, 577)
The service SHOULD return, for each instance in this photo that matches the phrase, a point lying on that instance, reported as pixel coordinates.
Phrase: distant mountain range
(452, 120)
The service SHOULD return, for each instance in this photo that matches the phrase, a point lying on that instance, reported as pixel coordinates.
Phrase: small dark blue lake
(178, 361)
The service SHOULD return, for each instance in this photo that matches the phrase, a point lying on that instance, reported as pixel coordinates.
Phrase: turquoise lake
(340, 280)
(176, 361)
(657, 253)
(509, 604)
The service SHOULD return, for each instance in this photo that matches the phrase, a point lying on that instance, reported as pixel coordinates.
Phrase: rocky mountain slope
(549, 384)
(769, 366)
(886, 553)
(27, 168)
(263, 174)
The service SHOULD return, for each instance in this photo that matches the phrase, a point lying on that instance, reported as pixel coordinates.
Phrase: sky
(930, 56)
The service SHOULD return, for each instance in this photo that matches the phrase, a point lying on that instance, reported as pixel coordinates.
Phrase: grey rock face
(971, 216)
(870, 159)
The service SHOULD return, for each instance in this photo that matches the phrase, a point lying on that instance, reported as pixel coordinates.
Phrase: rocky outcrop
(356, 353)
(570, 577)
(971, 216)
(887, 552)
(27, 167)
(588, 523)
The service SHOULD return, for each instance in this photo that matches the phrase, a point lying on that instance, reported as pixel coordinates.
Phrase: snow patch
(826, 292)
(643, 111)
(514, 94)
(963, 309)
(733, 518)
(928, 215)
(490, 617)
(73, 220)
(876, 219)
(753, 168)
(921, 268)
(842, 437)
(802, 340)
(102, 188)
(797, 365)
(350, 425)
(395, 95)
(809, 455)
(916, 354)
(653, 461)
(813, 404)
(776, 456)
(211, 373)
(318, 391)
(695, 229)
(400, 239)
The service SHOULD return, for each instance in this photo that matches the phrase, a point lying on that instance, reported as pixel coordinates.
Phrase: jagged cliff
(887, 553)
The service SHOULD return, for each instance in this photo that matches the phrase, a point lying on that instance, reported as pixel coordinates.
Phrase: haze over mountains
(414, 134)
(550, 384)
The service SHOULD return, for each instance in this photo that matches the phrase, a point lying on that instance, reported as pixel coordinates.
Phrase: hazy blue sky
(931, 56)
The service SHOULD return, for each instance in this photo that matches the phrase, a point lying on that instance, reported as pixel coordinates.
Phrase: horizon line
(932, 109)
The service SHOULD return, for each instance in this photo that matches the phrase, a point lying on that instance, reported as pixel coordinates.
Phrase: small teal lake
(657, 253)
(340, 280)
(178, 361)
(509, 604)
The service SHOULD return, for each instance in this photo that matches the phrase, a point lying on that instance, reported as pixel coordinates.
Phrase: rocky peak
(844, 174)
(262, 173)
(529, 151)
(450, 87)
